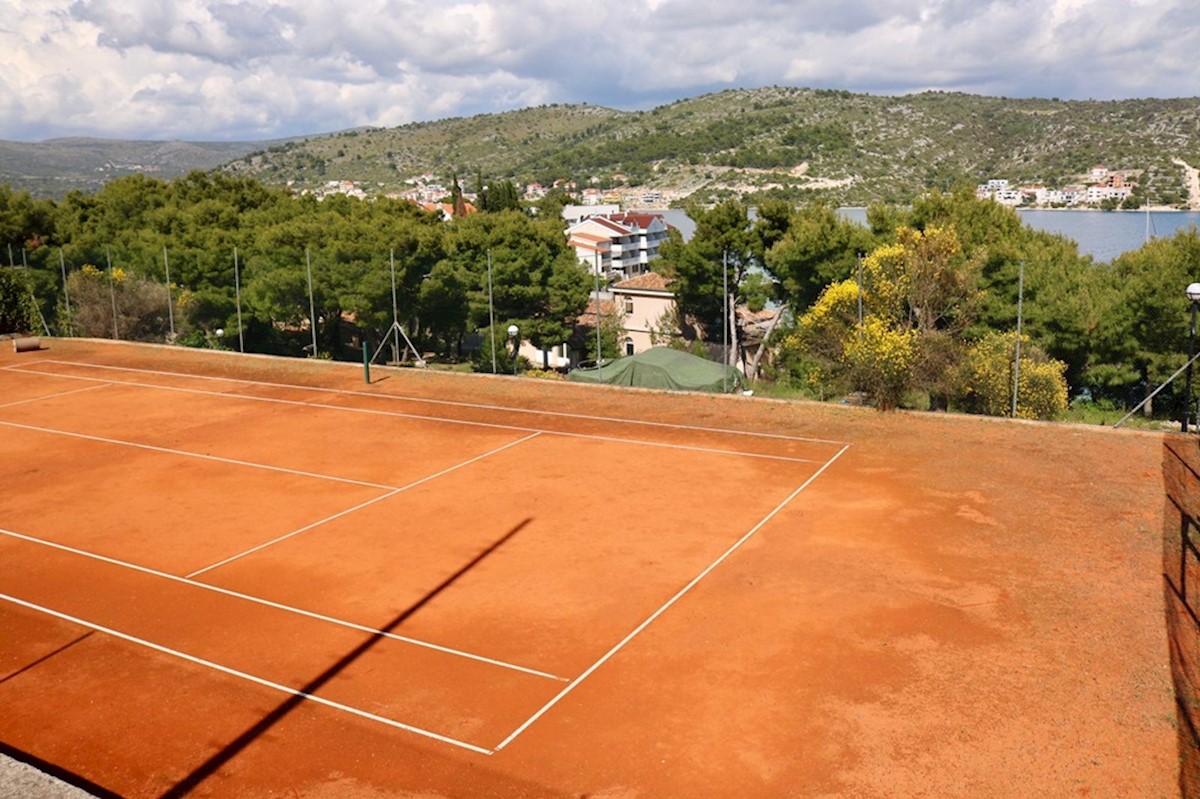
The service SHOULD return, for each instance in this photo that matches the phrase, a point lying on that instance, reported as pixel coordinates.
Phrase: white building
(621, 245)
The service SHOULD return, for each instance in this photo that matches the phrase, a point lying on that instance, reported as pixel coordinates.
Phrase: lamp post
(1193, 295)
(516, 345)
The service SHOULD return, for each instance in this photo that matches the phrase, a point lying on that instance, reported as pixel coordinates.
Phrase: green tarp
(662, 367)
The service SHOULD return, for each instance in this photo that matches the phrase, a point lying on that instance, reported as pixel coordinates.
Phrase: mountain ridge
(790, 142)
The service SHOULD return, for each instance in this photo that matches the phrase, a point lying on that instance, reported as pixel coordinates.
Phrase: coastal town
(1101, 188)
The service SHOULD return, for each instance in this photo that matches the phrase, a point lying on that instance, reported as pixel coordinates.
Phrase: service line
(453, 403)
(362, 505)
(200, 455)
(663, 608)
(246, 676)
(105, 384)
(278, 606)
(425, 417)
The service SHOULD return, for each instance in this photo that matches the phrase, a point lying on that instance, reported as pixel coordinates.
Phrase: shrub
(987, 375)
(18, 314)
(882, 360)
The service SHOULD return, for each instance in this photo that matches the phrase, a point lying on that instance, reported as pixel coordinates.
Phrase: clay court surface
(242, 576)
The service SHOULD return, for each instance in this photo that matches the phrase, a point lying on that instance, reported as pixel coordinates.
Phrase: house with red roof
(643, 303)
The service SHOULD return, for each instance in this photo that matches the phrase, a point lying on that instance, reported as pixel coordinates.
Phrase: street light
(1193, 295)
(513, 330)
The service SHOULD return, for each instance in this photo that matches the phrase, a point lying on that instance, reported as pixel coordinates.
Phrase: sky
(253, 70)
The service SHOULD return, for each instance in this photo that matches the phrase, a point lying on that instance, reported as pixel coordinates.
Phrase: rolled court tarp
(663, 367)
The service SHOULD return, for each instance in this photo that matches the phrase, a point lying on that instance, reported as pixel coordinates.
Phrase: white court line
(245, 676)
(419, 417)
(362, 505)
(59, 394)
(621, 645)
(201, 456)
(453, 403)
(278, 606)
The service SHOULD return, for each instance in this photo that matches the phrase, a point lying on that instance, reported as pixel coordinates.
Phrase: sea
(1104, 235)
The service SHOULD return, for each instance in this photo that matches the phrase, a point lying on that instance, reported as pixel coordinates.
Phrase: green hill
(796, 143)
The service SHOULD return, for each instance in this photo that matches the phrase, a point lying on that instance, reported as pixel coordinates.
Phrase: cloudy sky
(259, 69)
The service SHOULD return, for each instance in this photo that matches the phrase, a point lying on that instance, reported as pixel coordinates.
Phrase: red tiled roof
(588, 317)
(641, 220)
(650, 281)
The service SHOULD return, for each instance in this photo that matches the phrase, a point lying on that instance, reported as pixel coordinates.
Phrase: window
(629, 346)
(628, 306)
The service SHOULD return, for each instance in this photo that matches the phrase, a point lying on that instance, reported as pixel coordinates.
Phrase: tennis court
(209, 561)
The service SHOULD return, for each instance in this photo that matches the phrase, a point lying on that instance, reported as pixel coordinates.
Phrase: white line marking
(105, 384)
(245, 676)
(278, 606)
(426, 418)
(362, 505)
(452, 403)
(200, 455)
(621, 645)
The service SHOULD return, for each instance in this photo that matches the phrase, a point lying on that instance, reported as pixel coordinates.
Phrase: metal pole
(366, 361)
(1187, 403)
(860, 298)
(312, 310)
(725, 316)
(596, 259)
(237, 289)
(1017, 357)
(491, 312)
(112, 292)
(395, 331)
(170, 303)
(32, 295)
(62, 262)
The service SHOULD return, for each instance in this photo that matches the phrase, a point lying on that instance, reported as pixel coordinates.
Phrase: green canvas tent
(662, 367)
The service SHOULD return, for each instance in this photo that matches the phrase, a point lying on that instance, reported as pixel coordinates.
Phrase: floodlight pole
(312, 310)
(1193, 294)
(491, 312)
(1017, 357)
(860, 298)
(170, 301)
(596, 263)
(516, 345)
(112, 292)
(237, 288)
(62, 262)
(395, 336)
(725, 317)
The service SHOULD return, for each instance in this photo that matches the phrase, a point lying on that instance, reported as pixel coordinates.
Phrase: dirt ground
(956, 607)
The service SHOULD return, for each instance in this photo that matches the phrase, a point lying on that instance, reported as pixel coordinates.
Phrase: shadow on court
(231, 750)
(46, 657)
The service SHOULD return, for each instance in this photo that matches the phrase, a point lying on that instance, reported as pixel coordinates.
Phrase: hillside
(801, 143)
(52, 168)
(796, 143)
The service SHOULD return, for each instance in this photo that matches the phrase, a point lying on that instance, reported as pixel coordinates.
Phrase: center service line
(362, 505)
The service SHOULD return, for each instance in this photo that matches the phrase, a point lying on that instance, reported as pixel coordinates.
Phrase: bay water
(1104, 235)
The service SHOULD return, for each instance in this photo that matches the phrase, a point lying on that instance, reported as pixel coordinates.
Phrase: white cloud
(237, 69)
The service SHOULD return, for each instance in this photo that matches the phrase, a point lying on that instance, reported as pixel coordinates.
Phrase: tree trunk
(752, 372)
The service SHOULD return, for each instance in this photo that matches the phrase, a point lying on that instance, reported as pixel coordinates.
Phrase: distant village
(428, 192)
(1103, 187)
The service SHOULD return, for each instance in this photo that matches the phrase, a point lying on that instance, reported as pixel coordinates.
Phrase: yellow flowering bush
(987, 376)
(882, 361)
